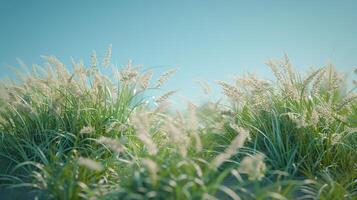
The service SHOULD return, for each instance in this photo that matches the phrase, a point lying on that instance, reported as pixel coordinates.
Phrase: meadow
(72, 132)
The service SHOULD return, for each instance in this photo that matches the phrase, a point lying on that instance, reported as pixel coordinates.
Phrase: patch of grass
(75, 133)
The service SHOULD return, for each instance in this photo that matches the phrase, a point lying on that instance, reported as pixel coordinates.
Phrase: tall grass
(75, 133)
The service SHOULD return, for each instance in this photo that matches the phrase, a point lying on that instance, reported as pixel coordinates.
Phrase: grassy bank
(70, 132)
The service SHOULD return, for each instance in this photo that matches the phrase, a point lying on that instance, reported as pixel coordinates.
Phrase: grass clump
(79, 134)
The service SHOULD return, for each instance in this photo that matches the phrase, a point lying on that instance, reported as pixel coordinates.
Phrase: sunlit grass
(74, 133)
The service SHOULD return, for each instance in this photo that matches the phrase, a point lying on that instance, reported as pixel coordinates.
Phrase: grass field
(70, 132)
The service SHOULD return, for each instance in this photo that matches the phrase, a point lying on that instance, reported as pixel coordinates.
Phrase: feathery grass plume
(153, 169)
(177, 136)
(351, 130)
(275, 69)
(145, 79)
(87, 130)
(333, 82)
(336, 138)
(236, 144)
(289, 68)
(324, 111)
(162, 107)
(62, 73)
(164, 77)
(253, 166)
(230, 91)
(142, 125)
(328, 114)
(309, 79)
(113, 144)
(94, 60)
(255, 91)
(90, 164)
(165, 96)
(107, 57)
(351, 97)
(128, 75)
(298, 119)
(314, 117)
(316, 83)
(205, 87)
(192, 125)
(117, 126)
(192, 120)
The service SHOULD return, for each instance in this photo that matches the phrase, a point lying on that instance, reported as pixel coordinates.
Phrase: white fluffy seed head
(113, 144)
(164, 77)
(90, 164)
(253, 166)
(87, 130)
(236, 144)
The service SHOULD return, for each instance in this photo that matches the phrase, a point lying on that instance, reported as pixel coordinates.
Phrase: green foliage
(78, 134)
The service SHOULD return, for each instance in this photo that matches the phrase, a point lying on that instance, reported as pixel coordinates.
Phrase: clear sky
(207, 40)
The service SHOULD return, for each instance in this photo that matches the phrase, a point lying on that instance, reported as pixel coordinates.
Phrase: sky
(205, 39)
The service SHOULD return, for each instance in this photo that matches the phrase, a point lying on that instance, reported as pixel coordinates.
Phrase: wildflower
(90, 164)
(253, 166)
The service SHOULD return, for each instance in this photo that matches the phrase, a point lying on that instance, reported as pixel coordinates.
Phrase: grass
(74, 133)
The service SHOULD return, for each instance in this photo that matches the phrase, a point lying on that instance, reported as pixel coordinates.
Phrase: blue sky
(207, 40)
